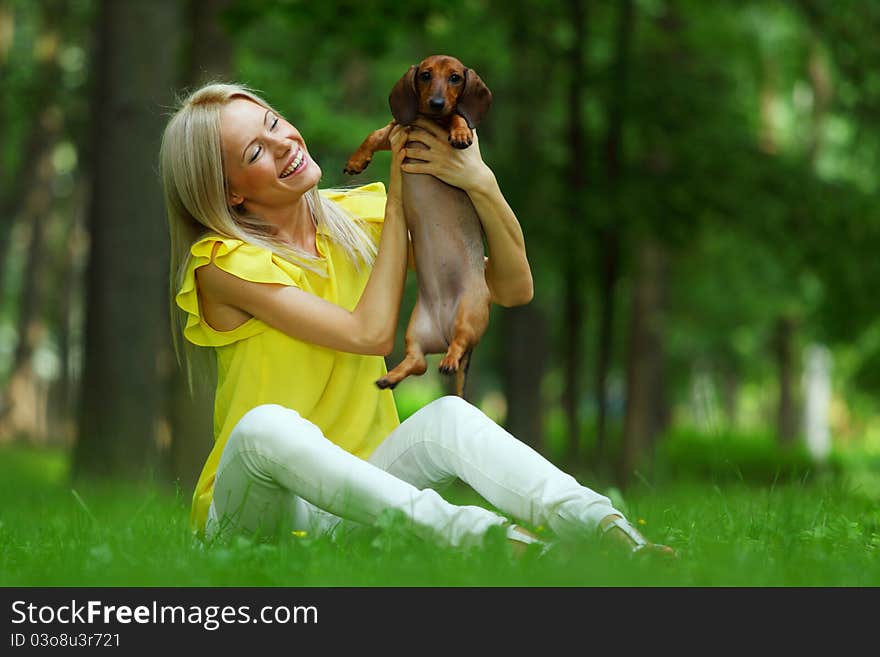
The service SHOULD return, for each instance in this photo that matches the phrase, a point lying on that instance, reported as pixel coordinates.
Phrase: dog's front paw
(461, 137)
(357, 163)
(385, 384)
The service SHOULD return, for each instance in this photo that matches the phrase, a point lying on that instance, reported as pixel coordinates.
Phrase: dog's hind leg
(471, 321)
(461, 375)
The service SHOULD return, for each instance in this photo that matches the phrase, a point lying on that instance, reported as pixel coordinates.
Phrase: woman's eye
(274, 123)
(255, 155)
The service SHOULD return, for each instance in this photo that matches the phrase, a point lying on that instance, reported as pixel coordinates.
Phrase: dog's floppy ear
(475, 100)
(403, 99)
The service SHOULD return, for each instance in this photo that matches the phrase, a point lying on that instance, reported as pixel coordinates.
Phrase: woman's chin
(308, 177)
(315, 171)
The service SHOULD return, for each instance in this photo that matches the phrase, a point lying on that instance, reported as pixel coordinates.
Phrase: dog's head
(437, 87)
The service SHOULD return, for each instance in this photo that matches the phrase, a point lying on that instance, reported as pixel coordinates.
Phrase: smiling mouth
(295, 164)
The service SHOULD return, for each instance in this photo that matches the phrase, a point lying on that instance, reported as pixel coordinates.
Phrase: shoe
(629, 536)
(520, 538)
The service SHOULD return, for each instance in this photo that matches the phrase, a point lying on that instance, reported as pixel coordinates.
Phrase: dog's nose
(436, 103)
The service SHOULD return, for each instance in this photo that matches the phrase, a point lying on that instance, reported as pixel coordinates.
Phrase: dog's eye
(455, 77)
(424, 76)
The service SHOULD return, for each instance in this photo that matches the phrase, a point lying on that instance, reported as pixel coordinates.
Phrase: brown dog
(452, 310)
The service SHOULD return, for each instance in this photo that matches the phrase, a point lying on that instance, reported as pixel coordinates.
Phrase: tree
(610, 233)
(38, 122)
(126, 303)
(190, 416)
(578, 167)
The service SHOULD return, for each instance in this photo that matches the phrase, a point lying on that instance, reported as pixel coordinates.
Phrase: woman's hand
(462, 168)
(508, 274)
(398, 137)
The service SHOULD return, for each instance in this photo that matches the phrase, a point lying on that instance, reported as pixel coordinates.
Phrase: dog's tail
(461, 374)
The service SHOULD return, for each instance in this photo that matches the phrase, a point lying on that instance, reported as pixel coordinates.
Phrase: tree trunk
(523, 342)
(609, 236)
(191, 417)
(191, 422)
(574, 302)
(45, 127)
(128, 261)
(22, 407)
(30, 321)
(786, 412)
(524, 364)
(730, 396)
(210, 51)
(608, 259)
(821, 85)
(63, 394)
(646, 410)
(573, 322)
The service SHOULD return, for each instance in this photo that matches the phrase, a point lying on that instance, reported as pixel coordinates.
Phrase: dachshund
(452, 310)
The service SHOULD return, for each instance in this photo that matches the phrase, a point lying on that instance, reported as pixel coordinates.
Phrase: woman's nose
(280, 146)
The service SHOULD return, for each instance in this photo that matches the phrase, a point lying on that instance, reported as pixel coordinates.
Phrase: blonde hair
(196, 200)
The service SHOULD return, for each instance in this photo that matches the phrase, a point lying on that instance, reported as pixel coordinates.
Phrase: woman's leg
(275, 456)
(248, 502)
(450, 438)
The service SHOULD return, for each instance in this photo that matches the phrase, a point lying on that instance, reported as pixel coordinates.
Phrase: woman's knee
(454, 405)
(452, 418)
(272, 428)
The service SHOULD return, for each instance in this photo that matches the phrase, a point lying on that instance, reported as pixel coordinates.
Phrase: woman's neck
(295, 224)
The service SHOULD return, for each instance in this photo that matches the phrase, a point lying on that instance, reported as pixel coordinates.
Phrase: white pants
(279, 472)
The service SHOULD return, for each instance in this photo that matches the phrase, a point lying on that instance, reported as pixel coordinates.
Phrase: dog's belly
(448, 247)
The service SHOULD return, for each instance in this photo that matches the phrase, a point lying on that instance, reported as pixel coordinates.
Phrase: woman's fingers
(397, 138)
(417, 167)
(427, 137)
(399, 130)
(421, 154)
(398, 135)
(428, 126)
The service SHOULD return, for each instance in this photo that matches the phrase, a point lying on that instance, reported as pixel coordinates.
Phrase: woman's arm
(508, 274)
(369, 328)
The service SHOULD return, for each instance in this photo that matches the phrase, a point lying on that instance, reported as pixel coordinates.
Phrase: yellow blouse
(257, 364)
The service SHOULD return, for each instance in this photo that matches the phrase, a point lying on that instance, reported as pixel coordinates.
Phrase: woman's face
(266, 160)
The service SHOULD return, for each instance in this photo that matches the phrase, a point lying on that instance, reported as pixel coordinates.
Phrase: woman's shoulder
(243, 259)
(212, 243)
(366, 202)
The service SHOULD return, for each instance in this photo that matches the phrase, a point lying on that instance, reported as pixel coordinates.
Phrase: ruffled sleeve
(246, 261)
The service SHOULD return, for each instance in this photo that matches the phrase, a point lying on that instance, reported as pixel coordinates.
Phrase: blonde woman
(297, 292)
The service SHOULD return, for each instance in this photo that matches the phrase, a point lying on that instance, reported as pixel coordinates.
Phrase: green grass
(818, 531)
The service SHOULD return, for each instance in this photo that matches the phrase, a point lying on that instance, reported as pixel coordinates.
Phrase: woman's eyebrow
(244, 152)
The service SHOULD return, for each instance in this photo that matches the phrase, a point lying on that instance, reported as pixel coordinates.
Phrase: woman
(298, 292)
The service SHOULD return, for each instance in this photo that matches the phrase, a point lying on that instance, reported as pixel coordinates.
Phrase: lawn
(822, 530)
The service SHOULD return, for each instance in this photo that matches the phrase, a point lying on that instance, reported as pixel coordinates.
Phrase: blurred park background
(697, 183)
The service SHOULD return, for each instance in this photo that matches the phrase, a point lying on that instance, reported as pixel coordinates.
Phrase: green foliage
(763, 190)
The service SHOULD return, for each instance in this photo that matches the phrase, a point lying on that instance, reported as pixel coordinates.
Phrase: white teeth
(293, 166)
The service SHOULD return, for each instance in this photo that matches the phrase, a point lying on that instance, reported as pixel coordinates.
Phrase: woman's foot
(619, 530)
(520, 538)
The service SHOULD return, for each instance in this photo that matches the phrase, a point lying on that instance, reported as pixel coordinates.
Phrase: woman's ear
(475, 99)
(234, 198)
(403, 99)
